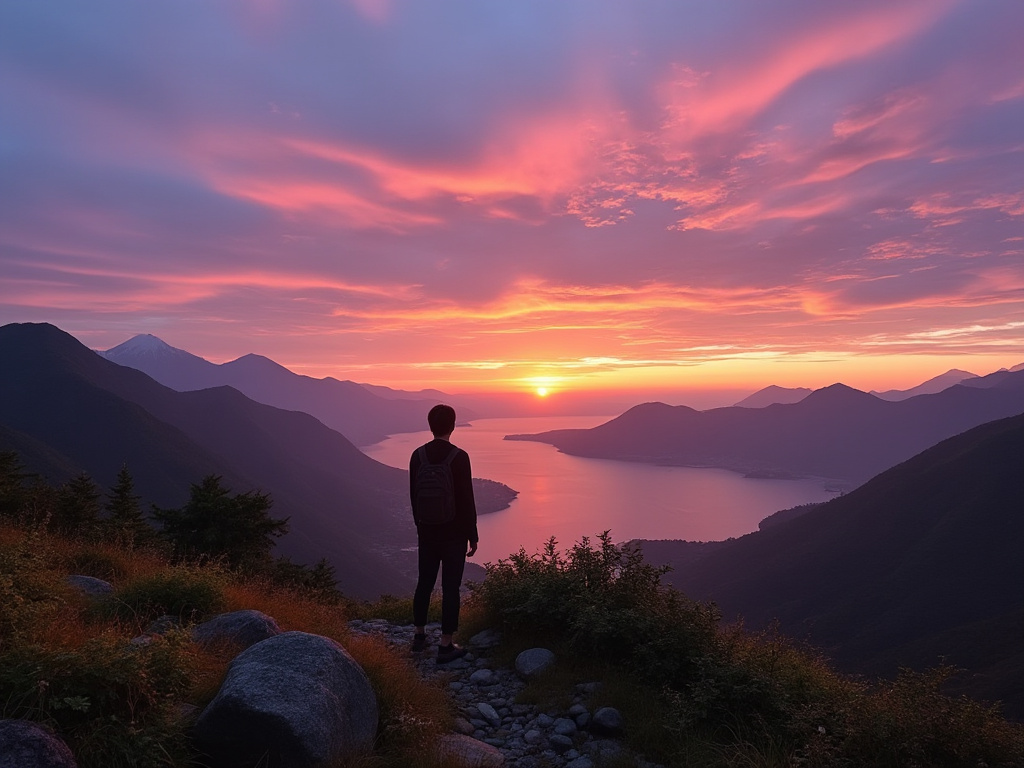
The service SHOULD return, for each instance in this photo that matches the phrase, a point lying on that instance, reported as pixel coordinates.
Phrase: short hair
(441, 420)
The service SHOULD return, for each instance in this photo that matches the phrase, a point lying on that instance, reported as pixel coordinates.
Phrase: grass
(693, 693)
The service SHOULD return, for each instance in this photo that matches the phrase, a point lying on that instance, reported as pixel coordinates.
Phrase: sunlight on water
(569, 497)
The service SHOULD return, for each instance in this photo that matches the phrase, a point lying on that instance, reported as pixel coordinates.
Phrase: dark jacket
(463, 527)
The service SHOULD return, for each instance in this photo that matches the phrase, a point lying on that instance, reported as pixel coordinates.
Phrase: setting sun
(542, 391)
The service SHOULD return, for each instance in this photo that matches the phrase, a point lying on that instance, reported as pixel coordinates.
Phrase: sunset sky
(504, 195)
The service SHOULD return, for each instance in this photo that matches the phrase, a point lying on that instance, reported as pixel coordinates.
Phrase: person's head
(441, 420)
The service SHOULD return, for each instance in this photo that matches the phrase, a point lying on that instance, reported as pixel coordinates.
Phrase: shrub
(606, 602)
(111, 701)
(187, 592)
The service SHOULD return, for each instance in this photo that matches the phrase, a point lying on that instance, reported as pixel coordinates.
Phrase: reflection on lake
(568, 497)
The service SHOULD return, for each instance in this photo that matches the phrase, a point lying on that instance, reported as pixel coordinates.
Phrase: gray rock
(583, 720)
(460, 750)
(482, 677)
(24, 744)
(242, 628)
(91, 587)
(161, 625)
(463, 726)
(559, 743)
(576, 709)
(486, 639)
(580, 762)
(533, 661)
(544, 720)
(607, 721)
(565, 726)
(532, 736)
(293, 700)
(488, 713)
(604, 749)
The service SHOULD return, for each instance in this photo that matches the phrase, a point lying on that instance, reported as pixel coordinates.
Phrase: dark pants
(450, 557)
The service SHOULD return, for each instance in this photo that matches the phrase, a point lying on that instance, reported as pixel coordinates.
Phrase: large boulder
(24, 744)
(292, 701)
(242, 628)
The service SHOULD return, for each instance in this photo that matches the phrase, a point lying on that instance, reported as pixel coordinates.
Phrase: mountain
(836, 432)
(921, 563)
(364, 417)
(930, 387)
(63, 406)
(773, 394)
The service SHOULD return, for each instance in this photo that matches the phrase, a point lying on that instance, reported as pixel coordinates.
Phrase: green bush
(604, 601)
(110, 700)
(183, 591)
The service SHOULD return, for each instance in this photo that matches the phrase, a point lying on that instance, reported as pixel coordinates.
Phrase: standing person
(441, 488)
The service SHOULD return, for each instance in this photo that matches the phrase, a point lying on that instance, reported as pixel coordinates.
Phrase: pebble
(523, 735)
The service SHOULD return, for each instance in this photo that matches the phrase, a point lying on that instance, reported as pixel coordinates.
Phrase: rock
(463, 726)
(161, 625)
(91, 587)
(583, 720)
(604, 749)
(564, 726)
(24, 744)
(533, 661)
(482, 677)
(560, 743)
(486, 639)
(242, 628)
(489, 713)
(607, 721)
(576, 709)
(580, 762)
(292, 700)
(466, 751)
(532, 736)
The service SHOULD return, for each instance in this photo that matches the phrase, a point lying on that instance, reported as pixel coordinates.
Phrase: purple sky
(642, 195)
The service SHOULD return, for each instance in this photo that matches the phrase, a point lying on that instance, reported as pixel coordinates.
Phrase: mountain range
(363, 415)
(836, 432)
(919, 565)
(66, 409)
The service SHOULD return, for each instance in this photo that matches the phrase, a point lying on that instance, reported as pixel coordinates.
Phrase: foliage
(111, 701)
(606, 601)
(319, 583)
(184, 591)
(78, 508)
(215, 524)
(725, 697)
(125, 521)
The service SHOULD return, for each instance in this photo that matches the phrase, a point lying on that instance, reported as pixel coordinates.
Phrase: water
(568, 497)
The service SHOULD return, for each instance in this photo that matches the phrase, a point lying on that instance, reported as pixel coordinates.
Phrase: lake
(568, 497)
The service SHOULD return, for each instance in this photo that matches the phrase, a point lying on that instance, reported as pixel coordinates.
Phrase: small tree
(125, 519)
(78, 507)
(12, 484)
(215, 524)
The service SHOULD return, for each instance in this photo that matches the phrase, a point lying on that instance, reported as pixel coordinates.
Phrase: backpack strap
(451, 456)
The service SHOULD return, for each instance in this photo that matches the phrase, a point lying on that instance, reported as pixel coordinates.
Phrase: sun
(542, 391)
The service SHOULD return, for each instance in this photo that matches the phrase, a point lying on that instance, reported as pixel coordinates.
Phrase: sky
(580, 196)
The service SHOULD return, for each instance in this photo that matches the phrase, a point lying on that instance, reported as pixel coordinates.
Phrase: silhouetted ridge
(917, 564)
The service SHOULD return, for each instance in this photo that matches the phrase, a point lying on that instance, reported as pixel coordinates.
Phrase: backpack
(435, 490)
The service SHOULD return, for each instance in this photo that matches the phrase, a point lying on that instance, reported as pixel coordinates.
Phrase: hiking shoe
(446, 653)
(419, 642)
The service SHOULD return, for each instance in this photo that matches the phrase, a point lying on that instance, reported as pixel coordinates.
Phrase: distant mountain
(930, 387)
(836, 432)
(773, 394)
(63, 407)
(920, 564)
(364, 417)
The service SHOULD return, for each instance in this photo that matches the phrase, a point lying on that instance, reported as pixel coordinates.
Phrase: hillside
(836, 432)
(62, 406)
(919, 564)
(362, 416)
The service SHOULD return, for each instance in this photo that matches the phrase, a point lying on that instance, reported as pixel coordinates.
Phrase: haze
(582, 196)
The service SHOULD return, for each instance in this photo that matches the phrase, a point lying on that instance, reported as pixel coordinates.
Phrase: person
(446, 545)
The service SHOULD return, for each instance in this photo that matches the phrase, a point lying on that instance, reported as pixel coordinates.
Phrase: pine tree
(78, 507)
(13, 493)
(215, 524)
(125, 520)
